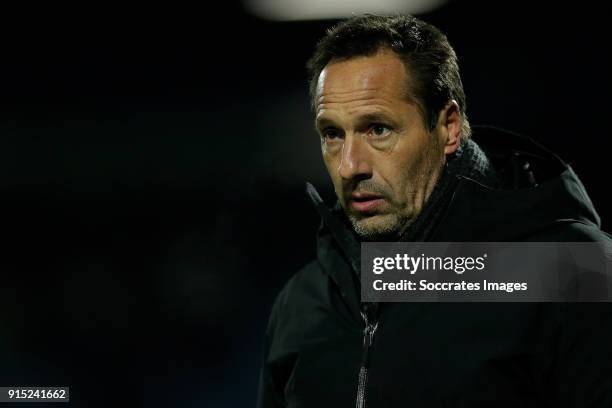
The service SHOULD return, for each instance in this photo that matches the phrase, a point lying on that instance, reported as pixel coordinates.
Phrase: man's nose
(355, 159)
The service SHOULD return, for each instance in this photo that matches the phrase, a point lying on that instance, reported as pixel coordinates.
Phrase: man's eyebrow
(320, 123)
(362, 120)
(367, 119)
(374, 117)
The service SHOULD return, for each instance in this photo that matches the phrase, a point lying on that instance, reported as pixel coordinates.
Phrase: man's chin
(378, 227)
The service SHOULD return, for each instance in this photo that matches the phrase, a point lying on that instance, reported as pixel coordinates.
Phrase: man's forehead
(382, 72)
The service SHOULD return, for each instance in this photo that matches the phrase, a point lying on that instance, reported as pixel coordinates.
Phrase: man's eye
(330, 134)
(379, 131)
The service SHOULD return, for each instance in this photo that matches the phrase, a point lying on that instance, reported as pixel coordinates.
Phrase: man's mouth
(363, 202)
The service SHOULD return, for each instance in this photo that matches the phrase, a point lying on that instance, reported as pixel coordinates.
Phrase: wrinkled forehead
(381, 74)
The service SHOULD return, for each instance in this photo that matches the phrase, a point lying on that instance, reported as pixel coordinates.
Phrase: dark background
(152, 177)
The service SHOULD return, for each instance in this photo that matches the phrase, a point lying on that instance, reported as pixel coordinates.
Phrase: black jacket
(448, 354)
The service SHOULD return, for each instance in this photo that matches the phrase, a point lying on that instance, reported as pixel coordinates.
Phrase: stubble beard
(390, 226)
(387, 228)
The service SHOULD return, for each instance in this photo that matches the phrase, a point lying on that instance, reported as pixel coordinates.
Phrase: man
(390, 110)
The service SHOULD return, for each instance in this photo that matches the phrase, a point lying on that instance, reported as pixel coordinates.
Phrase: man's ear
(450, 122)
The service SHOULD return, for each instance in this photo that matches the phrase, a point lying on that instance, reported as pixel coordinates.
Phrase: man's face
(382, 160)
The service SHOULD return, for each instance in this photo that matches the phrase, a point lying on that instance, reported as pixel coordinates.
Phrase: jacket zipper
(368, 337)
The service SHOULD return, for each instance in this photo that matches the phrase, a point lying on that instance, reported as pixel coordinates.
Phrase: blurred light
(292, 10)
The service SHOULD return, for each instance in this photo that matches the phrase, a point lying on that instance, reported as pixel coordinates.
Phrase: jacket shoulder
(572, 231)
(308, 279)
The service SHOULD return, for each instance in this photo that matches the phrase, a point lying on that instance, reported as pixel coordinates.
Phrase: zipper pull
(370, 330)
(370, 318)
(368, 338)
